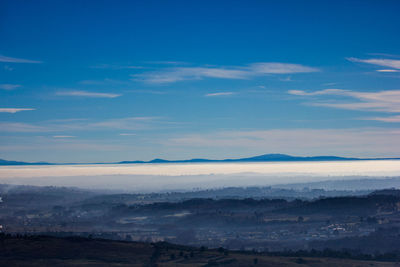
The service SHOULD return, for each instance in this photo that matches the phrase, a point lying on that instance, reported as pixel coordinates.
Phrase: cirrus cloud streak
(391, 63)
(79, 93)
(17, 60)
(219, 94)
(14, 110)
(169, 75)
(9, 86)
(380, 101)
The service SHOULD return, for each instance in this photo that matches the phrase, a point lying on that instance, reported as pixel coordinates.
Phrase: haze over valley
(187, 176)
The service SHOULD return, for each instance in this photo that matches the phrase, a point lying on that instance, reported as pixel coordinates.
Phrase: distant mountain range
(10, 162)
(261, 158)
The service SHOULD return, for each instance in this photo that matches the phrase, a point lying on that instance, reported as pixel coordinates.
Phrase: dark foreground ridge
(80, 251)
(261, 158)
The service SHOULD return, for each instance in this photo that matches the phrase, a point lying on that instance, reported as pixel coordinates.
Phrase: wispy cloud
(127, 134)
(14, 110)
(130, 123)
(63, 136)
(388, 70)
(17, 60)
(385, 119)
(152, 92)
(355, 141)
(116, 67)
(105, 81)
(220, 94)
(6, 86)
(181, 74)
(87, 94)
(321, 92)
(381, 101)
(167, 62)
(391, 63)
(60, 126)
(46, 144)
(279, 68)
(329, 84)
(169, 75)
(18, 127)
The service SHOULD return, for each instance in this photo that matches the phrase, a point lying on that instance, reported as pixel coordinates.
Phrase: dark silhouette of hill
(336, 206)
(382, 241)
(54, 251)
(387, 192)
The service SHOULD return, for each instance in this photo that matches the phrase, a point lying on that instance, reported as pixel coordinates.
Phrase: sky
(105, 81)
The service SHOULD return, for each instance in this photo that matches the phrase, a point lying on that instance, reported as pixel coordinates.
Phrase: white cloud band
(169, 75)
(87, 94)
(14, 110)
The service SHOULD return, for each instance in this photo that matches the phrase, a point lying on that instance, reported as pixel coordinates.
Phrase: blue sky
(94, 81)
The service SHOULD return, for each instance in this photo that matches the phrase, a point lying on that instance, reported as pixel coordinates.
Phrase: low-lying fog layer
(151, 177)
